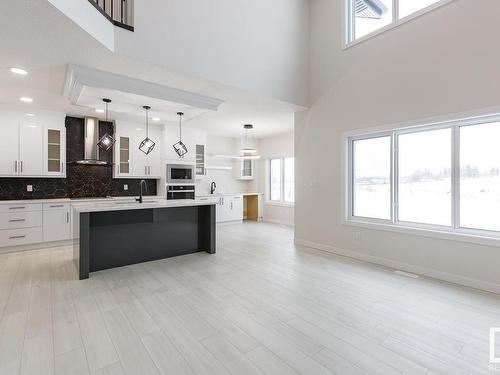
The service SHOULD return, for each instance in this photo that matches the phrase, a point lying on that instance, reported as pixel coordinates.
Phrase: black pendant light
(180, 148)
(147, 145)
(107, 141)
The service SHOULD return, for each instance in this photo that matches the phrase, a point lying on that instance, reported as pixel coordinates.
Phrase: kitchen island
(115, 234)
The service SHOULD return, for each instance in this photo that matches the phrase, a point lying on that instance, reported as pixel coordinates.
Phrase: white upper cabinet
(171, 136)
(245, 169)
(130, 162)
(9, 144)
(32, 147)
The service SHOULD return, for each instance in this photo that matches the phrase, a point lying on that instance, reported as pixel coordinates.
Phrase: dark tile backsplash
(82, 181)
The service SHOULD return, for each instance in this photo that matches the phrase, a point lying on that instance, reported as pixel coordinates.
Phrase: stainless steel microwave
(180, 173)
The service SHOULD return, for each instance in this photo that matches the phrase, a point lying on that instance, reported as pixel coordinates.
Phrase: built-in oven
(180, 173)
(180, 192)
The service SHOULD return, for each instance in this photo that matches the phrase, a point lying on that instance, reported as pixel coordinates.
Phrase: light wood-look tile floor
(259, 306)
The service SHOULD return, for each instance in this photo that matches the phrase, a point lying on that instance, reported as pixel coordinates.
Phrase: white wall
(278, 145)
(85, 15)
(441, 63)
(225, 179)
(259, 46)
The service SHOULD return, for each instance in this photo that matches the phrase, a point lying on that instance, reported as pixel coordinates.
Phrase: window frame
(454, 231)
(348, 21)
(281, 201)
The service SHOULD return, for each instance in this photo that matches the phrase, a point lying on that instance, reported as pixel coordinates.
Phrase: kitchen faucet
(140, 187)
(213, 186)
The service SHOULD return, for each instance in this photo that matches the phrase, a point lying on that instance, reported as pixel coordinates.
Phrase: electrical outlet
(125, 187)
(29, 188)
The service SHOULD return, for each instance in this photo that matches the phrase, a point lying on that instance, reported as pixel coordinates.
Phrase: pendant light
(147, 145)
(248, 141)
(107, 141)
(180, 148)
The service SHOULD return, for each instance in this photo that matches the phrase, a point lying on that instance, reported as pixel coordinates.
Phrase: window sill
(393, 25)
(475, 237)
(280, 204)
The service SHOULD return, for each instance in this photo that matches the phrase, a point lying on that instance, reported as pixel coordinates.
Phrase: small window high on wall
(365, 18)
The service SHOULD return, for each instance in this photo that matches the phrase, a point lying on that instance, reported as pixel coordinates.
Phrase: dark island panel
(110, 239)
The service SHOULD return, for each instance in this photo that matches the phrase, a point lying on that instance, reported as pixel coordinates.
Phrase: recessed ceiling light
(30, 114)
(155, 119)
(98, 110)
(18, 71)
(26, 99)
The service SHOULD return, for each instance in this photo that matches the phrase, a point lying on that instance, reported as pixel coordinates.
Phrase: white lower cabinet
(56, 222)
(22, 236)
(228, 207)
(16, 220)
(29, 223)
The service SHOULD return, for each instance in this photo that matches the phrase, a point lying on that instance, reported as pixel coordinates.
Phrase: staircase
(119, 12)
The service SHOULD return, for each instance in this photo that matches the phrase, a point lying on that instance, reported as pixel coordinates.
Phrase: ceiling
(127, 106)
(35, 42)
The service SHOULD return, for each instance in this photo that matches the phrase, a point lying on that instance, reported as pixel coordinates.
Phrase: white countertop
(227, 194)
(80, 200)
(117, 205)
(27, 201)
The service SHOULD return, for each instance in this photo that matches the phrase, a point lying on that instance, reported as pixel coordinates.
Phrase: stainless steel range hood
(91, 138)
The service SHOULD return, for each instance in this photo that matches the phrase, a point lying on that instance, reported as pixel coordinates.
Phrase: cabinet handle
(56, 205)
(15, 166)
(16, 220)
(203, 199)
(231, 205)
(145, 170)
(149, 170)
(17, 208)
(21, 166)
(67, 217)
(13, 237)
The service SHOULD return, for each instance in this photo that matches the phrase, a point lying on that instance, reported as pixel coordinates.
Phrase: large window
(281, 179)
(424, 183)
(372, 177)
(365, 17)
(480, 176)
(444, 177)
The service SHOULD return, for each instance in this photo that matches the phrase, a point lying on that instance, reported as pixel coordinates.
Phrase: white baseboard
(35, 246)
(396, 265)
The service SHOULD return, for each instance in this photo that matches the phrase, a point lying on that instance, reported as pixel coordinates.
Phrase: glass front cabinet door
(122, 167)
(55, 152)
